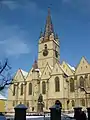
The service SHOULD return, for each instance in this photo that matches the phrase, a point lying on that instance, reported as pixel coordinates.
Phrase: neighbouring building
(3, 101)
(51, 78)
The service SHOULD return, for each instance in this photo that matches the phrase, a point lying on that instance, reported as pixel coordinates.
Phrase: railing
(30, 115)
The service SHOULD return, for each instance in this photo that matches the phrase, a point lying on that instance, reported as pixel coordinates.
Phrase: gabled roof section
(29, 73)
(46, 73)
(18, 76)
(71, 67)
(83, 67)
(57, 69)
(67, 68)
(24, 73)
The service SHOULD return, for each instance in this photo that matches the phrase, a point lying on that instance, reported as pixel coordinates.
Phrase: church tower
(48, 47)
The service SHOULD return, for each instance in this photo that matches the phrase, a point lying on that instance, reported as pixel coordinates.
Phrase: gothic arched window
(57, 84)
(13, 103)
(28, 104)
(73, 103)
(22, 89)
(20, 102)
(82, 102)
(82, 85)
(72, 85)
(30, 89)
(14, 87)
(43, 87)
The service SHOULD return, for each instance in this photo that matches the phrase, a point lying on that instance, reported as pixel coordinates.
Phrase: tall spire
(48, 26)
(41, 33)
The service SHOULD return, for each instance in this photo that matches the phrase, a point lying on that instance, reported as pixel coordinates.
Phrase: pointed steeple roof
(41, 33)
(49, 26)
(35, 65)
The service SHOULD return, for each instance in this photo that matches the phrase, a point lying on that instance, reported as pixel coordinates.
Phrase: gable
(57, 69)
(46, 73)
(18, 76)
(67, 68)
(29, 76)
(24, 73)
(83, 67)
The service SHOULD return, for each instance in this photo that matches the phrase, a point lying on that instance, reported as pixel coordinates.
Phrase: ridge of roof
(71, 67)
(24, 73)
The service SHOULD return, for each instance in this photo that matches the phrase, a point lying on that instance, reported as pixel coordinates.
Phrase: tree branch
(5, 80)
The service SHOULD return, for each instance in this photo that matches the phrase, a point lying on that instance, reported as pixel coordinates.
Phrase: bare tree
(5, 77)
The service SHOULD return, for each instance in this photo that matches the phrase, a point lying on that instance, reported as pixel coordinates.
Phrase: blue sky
(21, 22)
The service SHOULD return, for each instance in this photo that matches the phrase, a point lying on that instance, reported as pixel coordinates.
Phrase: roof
(2, 97)
(24, 73)
(72, 68)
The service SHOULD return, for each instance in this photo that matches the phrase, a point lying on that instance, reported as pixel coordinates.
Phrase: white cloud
(13, 41)
(14, 46)
(82, 6)
(10, 4)
(25, 6)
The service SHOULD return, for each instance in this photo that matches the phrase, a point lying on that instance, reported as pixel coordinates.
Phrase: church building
(50, 78)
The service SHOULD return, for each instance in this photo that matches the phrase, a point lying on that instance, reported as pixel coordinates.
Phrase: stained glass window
(43, 87)
(30, 88)
(57, 84)
(72, 85)
(22, 89)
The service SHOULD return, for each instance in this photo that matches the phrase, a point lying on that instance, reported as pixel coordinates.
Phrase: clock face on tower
(45, 51)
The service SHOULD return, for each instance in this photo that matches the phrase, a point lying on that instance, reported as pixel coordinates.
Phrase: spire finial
(35, 65)
(48, 11)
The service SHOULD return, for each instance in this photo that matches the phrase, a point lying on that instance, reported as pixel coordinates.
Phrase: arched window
(72, 85)
(43, 87)
(57, 85)
(30, 89)
(73, 103)
(20, 102)
(82, 102)
(14, 87)
(22, 89)
(13, 103)
(82, 85)
(27, 104)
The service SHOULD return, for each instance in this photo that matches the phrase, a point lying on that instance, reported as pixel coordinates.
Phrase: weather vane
(50, 6)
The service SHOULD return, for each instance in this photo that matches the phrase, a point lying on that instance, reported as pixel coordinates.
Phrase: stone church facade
(50, 78)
